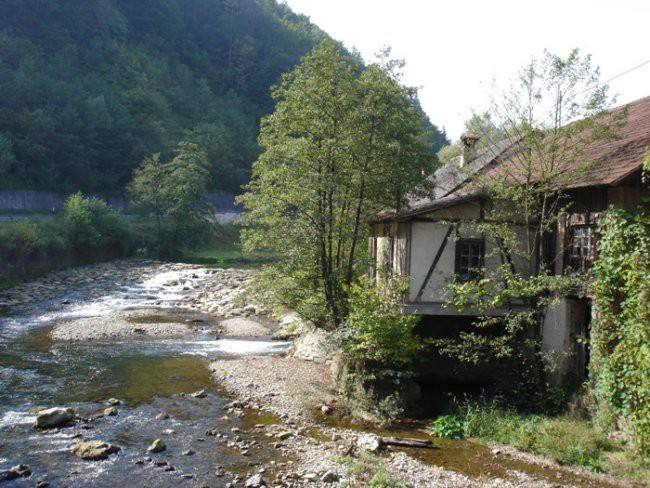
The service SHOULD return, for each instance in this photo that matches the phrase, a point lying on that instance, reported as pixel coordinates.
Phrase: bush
(376, 325)
(379, 347)
(90, 224)
(449, 426)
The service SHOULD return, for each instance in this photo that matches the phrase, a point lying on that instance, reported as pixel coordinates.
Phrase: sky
(455, 49)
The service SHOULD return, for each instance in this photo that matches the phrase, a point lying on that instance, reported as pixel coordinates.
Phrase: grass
(369, 471)
(225, 252)
(567, 440)
(227, 255)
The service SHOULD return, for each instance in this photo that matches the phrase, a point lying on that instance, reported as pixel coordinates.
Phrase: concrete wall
(30, 200)
(563, 325)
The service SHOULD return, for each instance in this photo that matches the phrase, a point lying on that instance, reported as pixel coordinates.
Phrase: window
(469, 259)
(581, 247)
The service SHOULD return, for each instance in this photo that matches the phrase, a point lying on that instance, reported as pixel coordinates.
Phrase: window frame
(584, 259)
(458, 268)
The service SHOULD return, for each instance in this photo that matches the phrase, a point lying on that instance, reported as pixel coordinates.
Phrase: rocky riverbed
(141, 333)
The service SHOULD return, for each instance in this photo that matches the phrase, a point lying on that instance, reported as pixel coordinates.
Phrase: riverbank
(310, 437)
(194, 299)
(299, 391)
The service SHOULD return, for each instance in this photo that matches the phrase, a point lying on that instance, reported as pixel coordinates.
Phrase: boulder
(94, 450)
(369, 442)
(330, 477)
(157, 446)
(255, 481)
(52, 418)
(199, 394)
(22, 470)
(110, 411)
(113, 402)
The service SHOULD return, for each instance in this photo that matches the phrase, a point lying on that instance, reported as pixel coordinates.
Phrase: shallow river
(147, 376)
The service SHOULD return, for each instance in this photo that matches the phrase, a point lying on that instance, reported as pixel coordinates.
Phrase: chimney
(467, 143)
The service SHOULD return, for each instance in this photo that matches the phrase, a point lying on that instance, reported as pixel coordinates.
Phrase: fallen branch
(404, 442)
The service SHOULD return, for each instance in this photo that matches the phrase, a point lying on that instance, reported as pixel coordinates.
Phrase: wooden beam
(434, 264)
(438, 309)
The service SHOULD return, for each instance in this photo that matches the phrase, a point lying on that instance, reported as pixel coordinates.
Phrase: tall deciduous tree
(344, 142)
(550, 115)
(175, 195)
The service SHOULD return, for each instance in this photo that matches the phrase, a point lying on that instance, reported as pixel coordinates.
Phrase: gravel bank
(295, 390)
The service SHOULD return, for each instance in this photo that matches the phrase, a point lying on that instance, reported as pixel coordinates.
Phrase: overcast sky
(454, 49)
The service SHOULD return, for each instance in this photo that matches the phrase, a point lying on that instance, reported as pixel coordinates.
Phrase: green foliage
(449, 426)
(89, 88)
(369, 471)
(621, 332)
(376, 325)
(566, 440)
(523, 201)
(383, 480)
(343, 143)
(379, 347)
(175, 194)
(90, 224)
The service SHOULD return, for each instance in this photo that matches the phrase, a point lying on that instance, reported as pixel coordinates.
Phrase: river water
(148, 376)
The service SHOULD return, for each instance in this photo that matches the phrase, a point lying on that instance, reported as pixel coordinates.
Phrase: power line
(626, 72)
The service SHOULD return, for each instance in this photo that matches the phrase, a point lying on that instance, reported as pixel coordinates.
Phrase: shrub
(375, 325)
(383, 480)
(90, 224)
(449, 426)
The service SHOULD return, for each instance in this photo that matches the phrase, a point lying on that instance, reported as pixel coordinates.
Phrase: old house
(429, 243)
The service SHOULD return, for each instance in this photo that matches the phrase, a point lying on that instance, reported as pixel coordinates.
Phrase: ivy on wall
(621, 331)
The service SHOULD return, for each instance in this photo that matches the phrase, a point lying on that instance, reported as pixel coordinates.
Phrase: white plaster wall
(427, 238)
(558, 334)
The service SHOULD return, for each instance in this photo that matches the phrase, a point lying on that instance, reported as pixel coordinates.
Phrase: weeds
(566, 440)
(367, 471)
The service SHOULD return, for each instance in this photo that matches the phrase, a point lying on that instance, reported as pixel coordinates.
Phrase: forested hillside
(91, 87)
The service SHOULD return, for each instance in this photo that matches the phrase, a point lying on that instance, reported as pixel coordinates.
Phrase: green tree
(552, 113)
(343, 143)
(175, 195)
(91, 224)
(481, 125)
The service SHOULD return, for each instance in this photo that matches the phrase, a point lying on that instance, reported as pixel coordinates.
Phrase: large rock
(157, 446)
(238, 327)
(255, 481)
(53, 417)
(312, 345)
(22, 470)
(94, 450)
(369, 442)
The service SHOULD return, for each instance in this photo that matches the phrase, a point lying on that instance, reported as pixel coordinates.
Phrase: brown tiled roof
(604, 162)
(610, 161)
